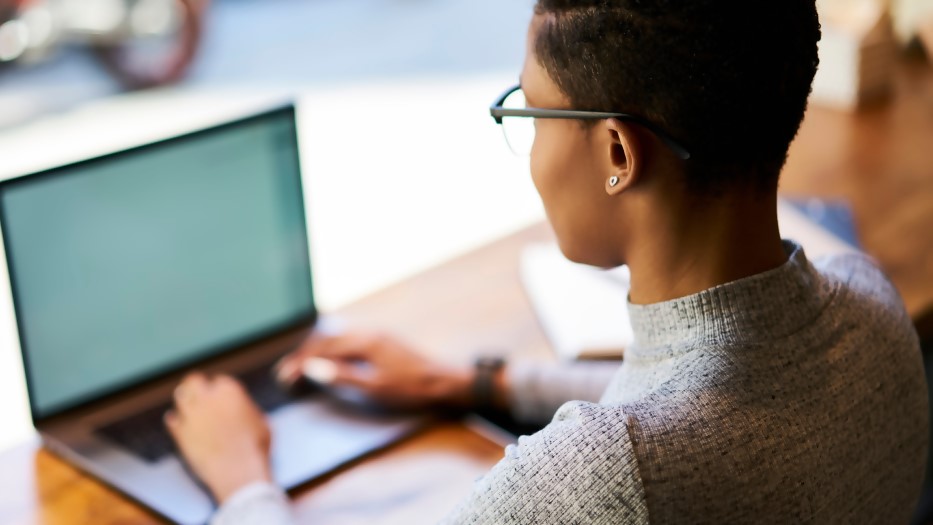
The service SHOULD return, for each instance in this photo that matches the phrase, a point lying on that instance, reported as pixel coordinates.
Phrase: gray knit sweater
(792, 396)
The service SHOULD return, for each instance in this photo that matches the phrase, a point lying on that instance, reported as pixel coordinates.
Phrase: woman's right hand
(382, 367)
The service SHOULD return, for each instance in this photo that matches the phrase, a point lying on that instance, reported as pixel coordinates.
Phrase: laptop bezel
(206, 356)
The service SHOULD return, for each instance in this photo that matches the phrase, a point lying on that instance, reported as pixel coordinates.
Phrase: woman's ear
(624, 156)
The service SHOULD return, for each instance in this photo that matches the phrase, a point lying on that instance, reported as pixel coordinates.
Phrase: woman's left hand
(221, 433)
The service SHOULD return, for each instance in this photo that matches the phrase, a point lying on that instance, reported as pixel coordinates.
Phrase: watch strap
(484, 381)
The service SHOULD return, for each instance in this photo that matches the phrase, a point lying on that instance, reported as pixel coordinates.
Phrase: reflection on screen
(135, 264)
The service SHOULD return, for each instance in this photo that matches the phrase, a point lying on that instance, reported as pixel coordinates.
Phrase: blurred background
(403, 166)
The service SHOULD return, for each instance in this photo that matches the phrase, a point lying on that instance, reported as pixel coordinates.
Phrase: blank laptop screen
(136, 264)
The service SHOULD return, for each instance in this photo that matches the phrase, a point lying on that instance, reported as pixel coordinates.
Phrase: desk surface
(880, 160)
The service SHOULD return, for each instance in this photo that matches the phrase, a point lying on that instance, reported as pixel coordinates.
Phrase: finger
(346, 347)
(190, 388)
(288, 369)
(195, 379)
(226, 385)
(172, 422)
(288, 372)
(229, 391)
(224, 380)
(352, 375)
(319, 370)
(291, 360)
(342, 346)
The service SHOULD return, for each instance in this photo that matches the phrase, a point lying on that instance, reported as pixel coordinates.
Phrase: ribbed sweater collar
(762, 307)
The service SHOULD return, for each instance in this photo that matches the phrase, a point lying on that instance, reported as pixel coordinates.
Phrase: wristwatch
(484, 381)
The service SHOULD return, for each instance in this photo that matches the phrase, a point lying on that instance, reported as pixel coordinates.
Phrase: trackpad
(311, 438)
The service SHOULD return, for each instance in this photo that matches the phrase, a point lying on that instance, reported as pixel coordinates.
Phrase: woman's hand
(221, 433)
(383, 368)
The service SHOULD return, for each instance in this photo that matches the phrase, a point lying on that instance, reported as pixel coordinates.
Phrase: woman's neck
(693, 247)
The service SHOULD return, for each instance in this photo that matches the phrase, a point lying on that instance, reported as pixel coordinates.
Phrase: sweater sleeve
(580, 469)
(260, 503)
(538, 389)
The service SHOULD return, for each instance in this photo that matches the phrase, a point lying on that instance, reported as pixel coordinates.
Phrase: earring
(613, 182)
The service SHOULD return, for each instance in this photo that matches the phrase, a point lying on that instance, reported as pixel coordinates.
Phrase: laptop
(132, 269)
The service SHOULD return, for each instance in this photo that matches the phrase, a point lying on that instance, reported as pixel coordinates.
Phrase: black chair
(924, 513)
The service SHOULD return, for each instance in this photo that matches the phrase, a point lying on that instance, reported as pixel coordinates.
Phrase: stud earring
(613, 182)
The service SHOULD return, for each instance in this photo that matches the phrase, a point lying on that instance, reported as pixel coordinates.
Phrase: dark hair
(728, 78)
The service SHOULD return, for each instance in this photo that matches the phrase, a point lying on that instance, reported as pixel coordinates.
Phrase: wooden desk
(881, 161)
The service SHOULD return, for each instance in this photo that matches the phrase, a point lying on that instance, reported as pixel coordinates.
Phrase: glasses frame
(498, 112)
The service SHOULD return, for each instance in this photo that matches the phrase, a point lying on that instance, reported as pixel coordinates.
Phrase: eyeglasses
(510, 110)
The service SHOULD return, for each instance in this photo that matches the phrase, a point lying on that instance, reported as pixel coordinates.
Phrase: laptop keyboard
(145, 434)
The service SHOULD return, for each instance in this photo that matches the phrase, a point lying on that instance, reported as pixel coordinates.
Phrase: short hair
(728, 78)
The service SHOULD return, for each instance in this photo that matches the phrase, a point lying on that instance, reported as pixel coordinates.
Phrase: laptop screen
(136, 264)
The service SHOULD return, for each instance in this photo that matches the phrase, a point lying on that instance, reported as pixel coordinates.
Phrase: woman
(761, 387)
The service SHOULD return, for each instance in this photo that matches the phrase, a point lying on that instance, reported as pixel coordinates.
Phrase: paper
(582, 310)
